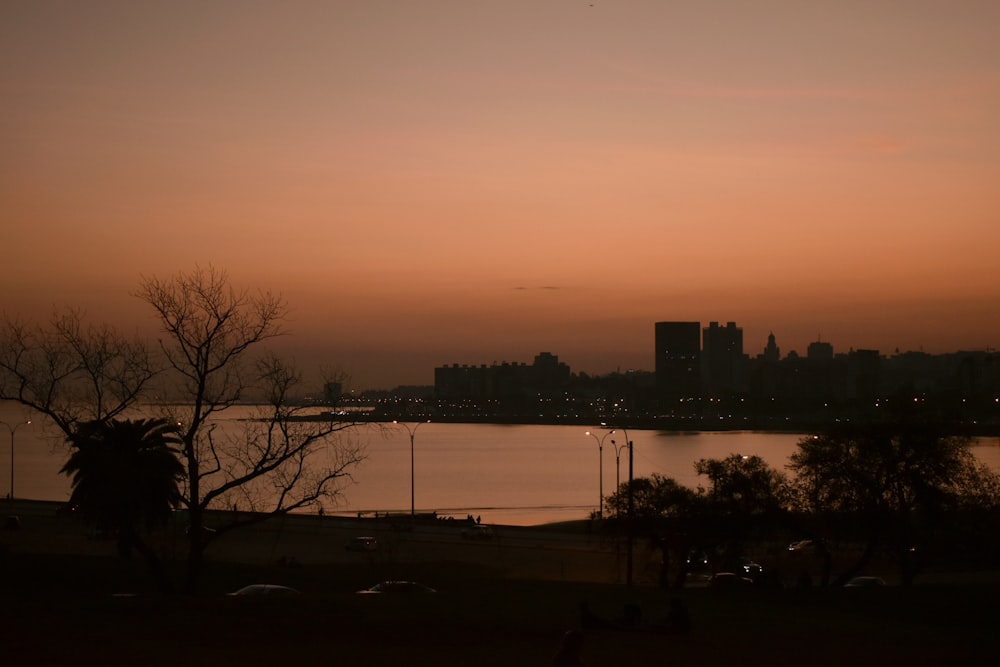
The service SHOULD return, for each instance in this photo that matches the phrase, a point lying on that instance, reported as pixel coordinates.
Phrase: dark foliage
(126, 478)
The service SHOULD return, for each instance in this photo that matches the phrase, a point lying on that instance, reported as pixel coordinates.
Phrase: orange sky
(430, 182)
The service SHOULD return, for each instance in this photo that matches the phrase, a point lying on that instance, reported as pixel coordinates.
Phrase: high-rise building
(722, 358)
(772, 352)
(678, 361)
(819, 351)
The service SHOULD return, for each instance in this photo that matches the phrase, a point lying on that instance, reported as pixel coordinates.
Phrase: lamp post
(631, 536)
(413, 433)
(618, 457)
(629, 506)
(600, 467)
(631, 522)
(13, 430)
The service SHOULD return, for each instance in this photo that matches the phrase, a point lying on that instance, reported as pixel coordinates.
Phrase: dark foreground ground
(58, 607)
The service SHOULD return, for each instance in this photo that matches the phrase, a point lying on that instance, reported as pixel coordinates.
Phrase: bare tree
(279, 461)
(71, 372)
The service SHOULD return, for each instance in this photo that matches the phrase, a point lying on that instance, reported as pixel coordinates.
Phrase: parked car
(729, 580)
(865, 582)
(750, 568)
(803, 546)
(362, 543)
(477, 532)
(698, 560)
(69, 509)
(397, 587)
(266, 591)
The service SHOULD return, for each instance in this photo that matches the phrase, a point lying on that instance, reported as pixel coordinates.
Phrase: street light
(631, 535)
(13, 430)
(618, 460)
(413, 433)
(600, 458)
(631, 515)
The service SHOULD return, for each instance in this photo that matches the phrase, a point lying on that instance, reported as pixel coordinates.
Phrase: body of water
(506, 474)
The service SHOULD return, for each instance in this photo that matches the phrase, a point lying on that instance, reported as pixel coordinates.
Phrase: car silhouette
(751, 568)
(362, 543)
(865, 582)
(803, 546)
(266, 591)
(397, 587)
(729, 580)
(477, 532)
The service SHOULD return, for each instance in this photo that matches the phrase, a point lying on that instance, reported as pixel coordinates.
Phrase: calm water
(518, 475)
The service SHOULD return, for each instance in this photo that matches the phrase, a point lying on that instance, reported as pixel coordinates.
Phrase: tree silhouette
(893, 482)
(126, 479)
(664, 512)
(279, 462)
(744, 495)
(70, 371)
(743, 486)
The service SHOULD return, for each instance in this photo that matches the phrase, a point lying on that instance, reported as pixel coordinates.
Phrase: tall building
(819, 351)
(772, 352)
(722, 358)
(678, 361)
(547, 376)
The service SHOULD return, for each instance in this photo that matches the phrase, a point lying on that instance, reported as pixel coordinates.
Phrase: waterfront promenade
(563, 552)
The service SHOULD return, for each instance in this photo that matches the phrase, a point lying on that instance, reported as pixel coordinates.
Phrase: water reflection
(507, 474)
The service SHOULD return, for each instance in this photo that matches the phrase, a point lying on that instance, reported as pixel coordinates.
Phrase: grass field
(57, 608)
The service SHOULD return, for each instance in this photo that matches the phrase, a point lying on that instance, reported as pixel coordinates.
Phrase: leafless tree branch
(72, 372)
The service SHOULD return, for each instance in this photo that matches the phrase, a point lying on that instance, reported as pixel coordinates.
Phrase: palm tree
(126, 478)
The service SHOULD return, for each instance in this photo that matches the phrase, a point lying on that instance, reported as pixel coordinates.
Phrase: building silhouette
(819, 351)
(678, 362)
(772, 353)
(545, 377)
(722, 359)
(704, 379)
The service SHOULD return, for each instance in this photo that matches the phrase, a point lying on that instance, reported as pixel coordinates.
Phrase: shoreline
(31, 507)
(671, 425)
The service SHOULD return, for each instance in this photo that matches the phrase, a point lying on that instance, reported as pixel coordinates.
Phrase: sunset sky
(431, 182)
